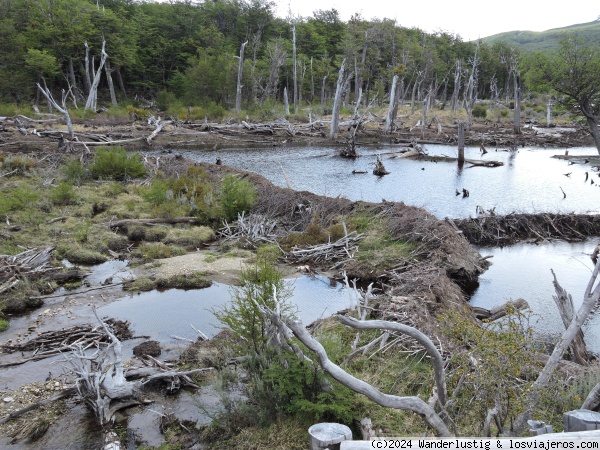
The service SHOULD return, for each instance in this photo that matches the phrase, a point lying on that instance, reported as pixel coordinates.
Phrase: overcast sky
(470, 19)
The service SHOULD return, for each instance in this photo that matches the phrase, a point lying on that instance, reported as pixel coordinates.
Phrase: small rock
(8, 399)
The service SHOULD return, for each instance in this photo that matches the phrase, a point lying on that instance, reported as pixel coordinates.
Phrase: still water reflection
(163, 314)
(530, 180)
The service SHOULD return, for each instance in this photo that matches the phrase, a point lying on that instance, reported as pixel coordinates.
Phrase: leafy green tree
(573, 71)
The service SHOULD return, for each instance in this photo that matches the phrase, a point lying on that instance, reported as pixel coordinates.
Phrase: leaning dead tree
(413, 403)
(389, 120)
(590, 298)
(62, 108)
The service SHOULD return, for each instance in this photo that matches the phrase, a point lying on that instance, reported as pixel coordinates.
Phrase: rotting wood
(340, 250)
(499, 311)
(159, 220)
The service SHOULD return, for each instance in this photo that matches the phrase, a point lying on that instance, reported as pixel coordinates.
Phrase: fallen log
(499, 311)
(125, 222)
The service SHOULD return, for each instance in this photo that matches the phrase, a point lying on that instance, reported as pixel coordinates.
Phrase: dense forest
(190, 51)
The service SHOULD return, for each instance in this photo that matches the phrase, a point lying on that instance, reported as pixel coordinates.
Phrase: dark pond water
(530, 180)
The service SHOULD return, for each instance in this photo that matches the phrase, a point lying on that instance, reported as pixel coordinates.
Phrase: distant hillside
(547, 40)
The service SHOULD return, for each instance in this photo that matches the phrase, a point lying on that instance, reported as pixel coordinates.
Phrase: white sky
(470, 19)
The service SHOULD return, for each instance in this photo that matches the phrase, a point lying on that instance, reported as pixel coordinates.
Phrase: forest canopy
(190, 51)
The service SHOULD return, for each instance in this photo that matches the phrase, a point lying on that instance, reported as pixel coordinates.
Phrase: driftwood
(414, 404)
(52, 343)
(28, 264)
(340, 250)
(499, 311)
(502, 230)
(253, 228)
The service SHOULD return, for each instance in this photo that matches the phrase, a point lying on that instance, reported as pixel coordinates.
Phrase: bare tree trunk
(312, 81)
(592, 123)
(335, 114)
(93, 94)
(238, 89)
(323, 90)
(286, 103)
(517, 119)
(414, 404)
(88, 78)
(111, 86)
(389, 119)
(457, 79)
(549, 113)
(590, 297)
(75, 91)
(62, 109)
(564, 302)
(461, 142)
(295, 69)
(471, 88)
(120, 82)
(592, 401)
(424, 116)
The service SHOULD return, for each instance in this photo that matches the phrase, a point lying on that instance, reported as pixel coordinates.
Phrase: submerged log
(499, 311)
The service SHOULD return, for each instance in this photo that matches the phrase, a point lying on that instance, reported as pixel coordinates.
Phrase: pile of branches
(29, 263)
(502, 230)
(331, 252)
(51, 343)
(254, 228)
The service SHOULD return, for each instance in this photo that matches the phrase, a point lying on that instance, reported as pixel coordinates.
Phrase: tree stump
(328, 435)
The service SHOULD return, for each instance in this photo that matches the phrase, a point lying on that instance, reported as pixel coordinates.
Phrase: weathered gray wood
(420, 337)
(337, 101)
(414, 404)
(590, 297)
(238, 90)
(389, 120)
(564, 303)
(592, 401)
(461, 141)
(93, 94)
(62, 109)
(323, 435)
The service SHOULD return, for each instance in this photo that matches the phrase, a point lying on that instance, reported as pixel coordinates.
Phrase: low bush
(77, 254)
(236, 196)
(63, 194)
(479, 111)
(158, 250)
(115, 164)
(74, 171)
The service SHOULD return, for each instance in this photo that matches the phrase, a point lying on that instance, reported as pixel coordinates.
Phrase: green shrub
(63, 194)
(74, 171)
(77, 254)
(115, 164)
(3, 324)
(157, 250)
(479, 111)
(20, 198)
(163, 99)
(157, 193)
(258, 285)
(236, 196)
(504, 113)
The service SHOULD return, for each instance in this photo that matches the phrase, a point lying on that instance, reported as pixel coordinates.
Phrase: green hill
(547, 40)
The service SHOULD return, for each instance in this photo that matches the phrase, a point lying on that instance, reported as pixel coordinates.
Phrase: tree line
(238, 53)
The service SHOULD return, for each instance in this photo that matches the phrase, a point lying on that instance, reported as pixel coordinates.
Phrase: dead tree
(238, 89)
(111, 86)
(389, 119)
(93, 94)
(456, 91)
(337, 101)
(590, 298)
(461, 142)
(286, 103)
(295, 71)
(62, 108)
(414, 404)
(564, 302)
(471, 91)
(277, 55)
